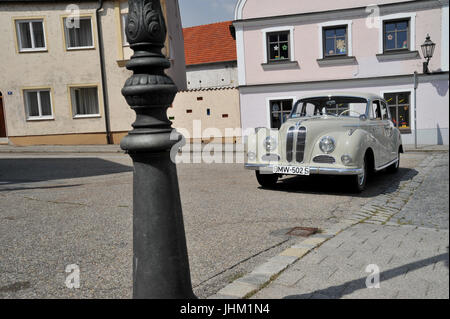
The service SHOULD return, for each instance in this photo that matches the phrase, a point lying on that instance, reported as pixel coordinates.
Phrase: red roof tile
(209, 43)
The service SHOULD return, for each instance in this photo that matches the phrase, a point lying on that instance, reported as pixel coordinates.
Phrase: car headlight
(270, 144)
(327, 144)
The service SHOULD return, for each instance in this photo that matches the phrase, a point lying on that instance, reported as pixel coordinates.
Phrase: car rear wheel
(266, 180)
(360, 181)
(394, 167)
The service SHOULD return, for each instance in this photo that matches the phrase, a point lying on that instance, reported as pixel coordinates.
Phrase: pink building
(300, 47)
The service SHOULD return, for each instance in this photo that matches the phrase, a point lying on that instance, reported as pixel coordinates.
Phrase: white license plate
(291, 170)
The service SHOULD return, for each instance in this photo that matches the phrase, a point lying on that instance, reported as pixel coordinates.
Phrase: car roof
(368, 96)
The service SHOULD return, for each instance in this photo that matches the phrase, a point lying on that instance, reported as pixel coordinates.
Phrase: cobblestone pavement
(403, 233)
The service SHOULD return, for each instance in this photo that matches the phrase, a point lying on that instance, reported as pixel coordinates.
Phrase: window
(279, 112)
(84, 101)
(38, 104)
(78, 36)
(124, 27)
(396, 35)
(208, 112)
(189, 111)
(278, 46)
(399, 107)
(31, 35)
(335, 41)
(379, 111)
(330, 105)
(376, 110)
(225, 116)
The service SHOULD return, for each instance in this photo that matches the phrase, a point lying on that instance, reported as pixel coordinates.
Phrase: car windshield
(329, 105)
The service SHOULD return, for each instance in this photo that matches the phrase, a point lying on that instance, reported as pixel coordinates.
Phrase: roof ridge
(208, 24)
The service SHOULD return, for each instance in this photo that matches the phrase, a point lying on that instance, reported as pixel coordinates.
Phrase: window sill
(398, 55)
(280, 65)
(80, 48)
(93, 116)
(33, 50)
(337, 60)
(39, 119)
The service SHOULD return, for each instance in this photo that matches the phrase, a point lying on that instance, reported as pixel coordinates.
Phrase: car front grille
(324, 159)
(299, 136)
(290, 144)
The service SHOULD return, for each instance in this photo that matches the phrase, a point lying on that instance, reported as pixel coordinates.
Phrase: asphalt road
(77, 209)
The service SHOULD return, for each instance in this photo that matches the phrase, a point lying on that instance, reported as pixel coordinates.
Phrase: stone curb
(261, 276)
(378, 212)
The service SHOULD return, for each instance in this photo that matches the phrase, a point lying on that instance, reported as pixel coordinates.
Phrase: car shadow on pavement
(24, 170)
(378, 183)
(336, 292)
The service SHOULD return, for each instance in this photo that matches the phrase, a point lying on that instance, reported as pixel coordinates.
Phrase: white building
(301, 47)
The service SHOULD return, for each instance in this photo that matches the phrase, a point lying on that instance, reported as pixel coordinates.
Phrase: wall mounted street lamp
(427, 50)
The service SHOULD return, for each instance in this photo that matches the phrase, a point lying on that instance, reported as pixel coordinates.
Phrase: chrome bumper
(312, 169)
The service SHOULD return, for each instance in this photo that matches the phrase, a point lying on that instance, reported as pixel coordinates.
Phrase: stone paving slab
(332, 272)
(412, 260)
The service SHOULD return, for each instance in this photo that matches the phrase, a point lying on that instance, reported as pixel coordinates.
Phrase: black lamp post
(427, 51)
(160, 259)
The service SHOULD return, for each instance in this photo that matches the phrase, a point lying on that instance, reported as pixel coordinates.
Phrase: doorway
(2, 118)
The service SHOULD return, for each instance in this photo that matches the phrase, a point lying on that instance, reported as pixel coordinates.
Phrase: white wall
(212, 75)
(432, 103)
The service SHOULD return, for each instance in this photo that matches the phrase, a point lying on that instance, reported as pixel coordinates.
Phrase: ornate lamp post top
(149, 91)
(427, 50)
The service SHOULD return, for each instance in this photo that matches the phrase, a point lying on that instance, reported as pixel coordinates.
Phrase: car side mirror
(363, 117)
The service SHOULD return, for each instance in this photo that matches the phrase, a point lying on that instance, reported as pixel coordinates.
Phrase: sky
(198, 12)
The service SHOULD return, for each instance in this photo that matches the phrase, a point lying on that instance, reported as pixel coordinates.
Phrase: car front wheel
(266, 180)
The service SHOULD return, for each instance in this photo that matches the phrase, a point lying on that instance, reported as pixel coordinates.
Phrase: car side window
(309, 109)
(384, 111)
(376, 110)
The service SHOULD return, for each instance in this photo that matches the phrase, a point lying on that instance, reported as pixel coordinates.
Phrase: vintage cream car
(335, 134)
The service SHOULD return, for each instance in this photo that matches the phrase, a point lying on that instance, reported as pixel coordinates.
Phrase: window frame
(123, 16)
(40, 117)
(349, 37)
(66, 35)
(324, 39)
(278, 33)
(269, 102)
(412, 31)
(409, 129)
(408, 35)
(73, 106)
(30, 20)
(264, 32)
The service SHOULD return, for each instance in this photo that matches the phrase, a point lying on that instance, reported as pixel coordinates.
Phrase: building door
(2, 119)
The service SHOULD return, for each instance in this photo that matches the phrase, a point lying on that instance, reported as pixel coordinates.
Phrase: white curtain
(38, 34)
(46, 107)
(25, 35)
(86, 101)
(79, 37)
